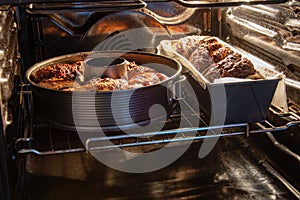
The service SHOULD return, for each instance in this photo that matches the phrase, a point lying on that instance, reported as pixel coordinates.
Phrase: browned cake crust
(201, 59)
(104, 84)
(139, 76)
(61, 71)
(58, 84)
(233, 65)
(212, 46)
(133, 71)
(62, 77)
(215, 59)
(186, 46)
(220, 54)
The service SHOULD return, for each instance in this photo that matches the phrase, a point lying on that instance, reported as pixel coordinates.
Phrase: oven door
(246, 160)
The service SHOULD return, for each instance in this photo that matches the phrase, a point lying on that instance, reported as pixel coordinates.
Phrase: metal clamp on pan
(176, 89)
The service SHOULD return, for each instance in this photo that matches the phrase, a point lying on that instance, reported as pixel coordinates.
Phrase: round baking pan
(109, 109)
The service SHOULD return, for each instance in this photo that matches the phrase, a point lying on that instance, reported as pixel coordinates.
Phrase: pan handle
(177, 88)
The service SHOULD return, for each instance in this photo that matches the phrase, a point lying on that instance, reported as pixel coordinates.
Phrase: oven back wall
(61, 32)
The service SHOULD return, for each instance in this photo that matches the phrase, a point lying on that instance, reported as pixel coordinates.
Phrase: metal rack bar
(275, 129)
(160, 137)
(277, 144)
(294, 111)
(282, 179)
(105, 6)
(173, 140)
(218, 3)
(57, 2)
(151, 140)
(167, 132)
(247, 132)
(47, 153)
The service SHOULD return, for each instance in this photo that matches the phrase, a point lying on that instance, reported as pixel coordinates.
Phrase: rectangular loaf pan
(233, 101)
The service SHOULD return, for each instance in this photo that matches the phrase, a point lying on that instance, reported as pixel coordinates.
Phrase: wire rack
(44, 139)
(79, 5)
(218, 3)
(99, 6)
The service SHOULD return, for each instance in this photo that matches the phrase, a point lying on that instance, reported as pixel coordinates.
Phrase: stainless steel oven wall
(9, 66)
(9, 71)
(272, 33)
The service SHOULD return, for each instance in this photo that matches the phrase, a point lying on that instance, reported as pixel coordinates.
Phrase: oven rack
(186, 3)
(99, 6)
(226, 3)
(80, 5)
(44, 139)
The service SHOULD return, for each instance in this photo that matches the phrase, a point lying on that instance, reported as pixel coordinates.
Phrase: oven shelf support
(27, 145)
(186, 134)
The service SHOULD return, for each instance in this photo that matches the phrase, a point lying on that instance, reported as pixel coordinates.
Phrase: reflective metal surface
(228, 172)
(220, 3)
(231, 171)
(9, 66)
(273, 30)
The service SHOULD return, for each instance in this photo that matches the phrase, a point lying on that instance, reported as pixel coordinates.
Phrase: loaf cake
(215, 59)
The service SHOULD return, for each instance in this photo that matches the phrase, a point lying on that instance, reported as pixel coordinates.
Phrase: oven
(184, 155)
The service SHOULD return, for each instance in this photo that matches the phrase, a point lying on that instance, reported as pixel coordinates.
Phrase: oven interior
(250, 161)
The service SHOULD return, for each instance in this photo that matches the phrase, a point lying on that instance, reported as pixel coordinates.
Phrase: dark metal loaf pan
(242, 102)
(231, 102)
